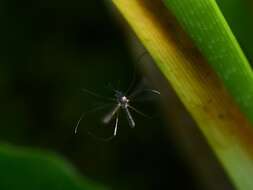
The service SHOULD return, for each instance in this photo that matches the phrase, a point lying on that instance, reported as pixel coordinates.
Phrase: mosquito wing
(143, 101)
(144, 95)
(143, 92)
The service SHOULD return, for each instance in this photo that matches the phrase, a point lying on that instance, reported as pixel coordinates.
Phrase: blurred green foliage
(50, 50)
(26, 169)
(238, 14)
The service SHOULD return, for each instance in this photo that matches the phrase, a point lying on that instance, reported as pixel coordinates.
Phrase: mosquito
(121, 102)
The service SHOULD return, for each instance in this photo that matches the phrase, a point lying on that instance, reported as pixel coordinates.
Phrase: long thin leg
(110, 137)
(84, 113)
(78, 123)
(116, 125)
(153, 91)
(111, 114)
(129, 118)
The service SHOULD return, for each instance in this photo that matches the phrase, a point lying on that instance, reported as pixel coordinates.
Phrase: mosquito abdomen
(111, 114)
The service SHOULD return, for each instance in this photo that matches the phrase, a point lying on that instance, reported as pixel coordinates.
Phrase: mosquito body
(121, 104)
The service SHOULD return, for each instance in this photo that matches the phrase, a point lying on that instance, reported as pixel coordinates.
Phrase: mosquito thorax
(121, 99)
(124, 99)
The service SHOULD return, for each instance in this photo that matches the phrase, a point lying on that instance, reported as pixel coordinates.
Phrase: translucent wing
(144, 95)
(143, 100)
(143, 92)
(134, 75)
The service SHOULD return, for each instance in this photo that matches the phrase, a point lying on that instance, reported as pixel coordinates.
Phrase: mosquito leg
(78, 123)
(138, 111)
(153, 91)
(116, 125)
(111, 114)
(110, 137)
(129, 118)
(84, 113)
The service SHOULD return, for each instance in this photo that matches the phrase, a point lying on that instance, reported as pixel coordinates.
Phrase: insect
(121, 102)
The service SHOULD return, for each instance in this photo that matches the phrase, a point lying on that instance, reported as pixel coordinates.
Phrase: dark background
(52, 49)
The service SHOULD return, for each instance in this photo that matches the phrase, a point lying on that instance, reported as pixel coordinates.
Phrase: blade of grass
(199, 88)
(206, 25)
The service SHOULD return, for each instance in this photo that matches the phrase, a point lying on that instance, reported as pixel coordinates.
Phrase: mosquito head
(124, 99)
(121, 99)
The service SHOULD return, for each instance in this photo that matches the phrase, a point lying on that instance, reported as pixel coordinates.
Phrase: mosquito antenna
(96, 95)
(110, 87)
(135, 72)
(118, 84)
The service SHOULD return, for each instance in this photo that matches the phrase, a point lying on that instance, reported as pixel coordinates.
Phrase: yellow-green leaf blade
(202, 92)
(207, 27)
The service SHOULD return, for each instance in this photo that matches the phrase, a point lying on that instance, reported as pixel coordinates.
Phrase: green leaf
(205, 24)
(209, 73)
(35, 170)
